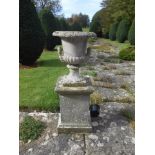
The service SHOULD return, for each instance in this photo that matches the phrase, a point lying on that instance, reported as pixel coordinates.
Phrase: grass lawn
(116, 43)
(85, 29)
(37, 84)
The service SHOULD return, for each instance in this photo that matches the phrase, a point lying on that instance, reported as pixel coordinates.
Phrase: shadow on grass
(50, 63)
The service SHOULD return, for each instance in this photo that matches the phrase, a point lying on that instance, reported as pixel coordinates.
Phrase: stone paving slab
(50, 143)
(111, 135)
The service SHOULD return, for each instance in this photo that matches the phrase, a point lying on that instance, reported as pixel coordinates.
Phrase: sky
(89, 7)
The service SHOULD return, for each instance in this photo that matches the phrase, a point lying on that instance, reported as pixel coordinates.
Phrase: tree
(122, 31)
(64, 25)
(101, 22)
(58, 28)
(31, 35)
(131, 35)
(96, 25)
(82, 19)
(52, 5)
(113, 30)
(76, 27)
(120, 8)
(49, 25)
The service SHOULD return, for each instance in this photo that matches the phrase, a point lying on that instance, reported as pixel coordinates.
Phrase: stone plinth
(74, 106)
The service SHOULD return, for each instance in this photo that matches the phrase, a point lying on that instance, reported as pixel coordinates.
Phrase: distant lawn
(37, 84)
(126, 44)
(85, 29)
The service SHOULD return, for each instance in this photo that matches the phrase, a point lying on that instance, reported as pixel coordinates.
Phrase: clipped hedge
(31, 35)
(58, 28)
(95, 26)
(49, 25)
(127, 54)
(122, 31)
(131, 35)
(112, 31)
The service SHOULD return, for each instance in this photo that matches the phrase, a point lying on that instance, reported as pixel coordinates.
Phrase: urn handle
(60, 53)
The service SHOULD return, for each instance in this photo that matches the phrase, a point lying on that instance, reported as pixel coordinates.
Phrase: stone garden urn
(74, 90)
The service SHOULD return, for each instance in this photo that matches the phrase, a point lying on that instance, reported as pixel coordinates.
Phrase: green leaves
(113, 30)
(122, 31)
(131, 35)
(31, 35)
(127, 54)
(49, 24)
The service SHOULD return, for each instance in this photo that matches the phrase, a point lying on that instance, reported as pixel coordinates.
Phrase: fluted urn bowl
(74, 51)
(74, 46)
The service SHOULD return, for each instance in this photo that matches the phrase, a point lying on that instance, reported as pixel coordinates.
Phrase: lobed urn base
(74, 106)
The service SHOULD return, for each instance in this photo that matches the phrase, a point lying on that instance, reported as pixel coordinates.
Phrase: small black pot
(94, 110)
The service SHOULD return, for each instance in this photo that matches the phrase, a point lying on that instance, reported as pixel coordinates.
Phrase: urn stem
(73, 73)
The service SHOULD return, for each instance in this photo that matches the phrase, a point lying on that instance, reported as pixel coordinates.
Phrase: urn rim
(72, 34)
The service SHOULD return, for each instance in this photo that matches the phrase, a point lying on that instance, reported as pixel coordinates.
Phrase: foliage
(36, 85)
(64, 25)
(80, 18)
(95, 25)
(31, 35)
(49, 24)
(119, 9)
(112, 11)
(127, 54)
(113, 30)
(122, 31)
(30, 129)
(131, 35)
(96, 98)
(100, 23)
(76, 27)
(52, 5)
(58, 28)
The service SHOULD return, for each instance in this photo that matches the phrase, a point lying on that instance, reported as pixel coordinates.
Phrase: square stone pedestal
(74, 108)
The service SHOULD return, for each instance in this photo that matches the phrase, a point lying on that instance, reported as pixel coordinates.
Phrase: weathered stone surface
(115, 136)
(74, 107)
(111, 135)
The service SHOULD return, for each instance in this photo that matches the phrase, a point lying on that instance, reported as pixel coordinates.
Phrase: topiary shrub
(127, 54)
(49, 25)
(112, 31)
(64, 25)
(106, 35)
(95, 26)
(58, 28)
(122, 31)
(76, 27)
(31, 35)
(131, 35)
